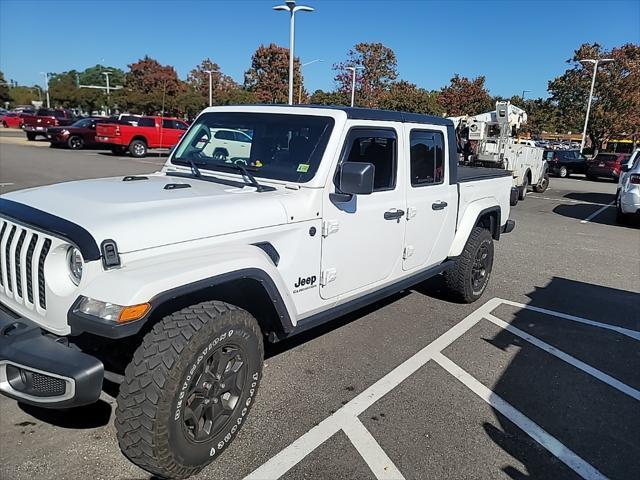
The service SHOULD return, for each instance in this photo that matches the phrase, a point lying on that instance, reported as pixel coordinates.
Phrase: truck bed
(470, 174)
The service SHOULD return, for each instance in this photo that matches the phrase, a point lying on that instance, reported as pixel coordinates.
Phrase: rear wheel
(468, 279)
(563, 172)
(522, 189)
(31, 136)
(621, 217)
(75, 142)
(543, 185)
(138, 148)
(189, 388)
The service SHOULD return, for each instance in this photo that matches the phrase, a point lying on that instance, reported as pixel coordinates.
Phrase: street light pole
(593, 83)
(210, 88)
(106, 74)
(523, 92)
(300, 86)
(46, 78)
(353, 83)
(290, 6)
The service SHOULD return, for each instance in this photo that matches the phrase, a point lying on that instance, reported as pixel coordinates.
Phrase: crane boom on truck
(493, 141)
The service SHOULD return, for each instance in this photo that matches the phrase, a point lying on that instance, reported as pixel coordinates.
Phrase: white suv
(228, 144)
(628, 193)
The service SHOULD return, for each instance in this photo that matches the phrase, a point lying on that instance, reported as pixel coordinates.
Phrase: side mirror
(625, 167)
(356, 178)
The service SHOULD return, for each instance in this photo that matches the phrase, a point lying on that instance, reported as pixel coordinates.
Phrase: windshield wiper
(245, 173)
(194, 168)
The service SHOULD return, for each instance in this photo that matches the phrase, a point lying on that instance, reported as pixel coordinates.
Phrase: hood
(143, 213)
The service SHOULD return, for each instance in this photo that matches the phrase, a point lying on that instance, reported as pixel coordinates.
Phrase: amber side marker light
(134, 312)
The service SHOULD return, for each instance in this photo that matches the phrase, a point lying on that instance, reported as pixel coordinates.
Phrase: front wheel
(543, 185)
(75, 142)
(522, 190)
(31, 136)
(563, 172)
(468, 279)
(189, 388)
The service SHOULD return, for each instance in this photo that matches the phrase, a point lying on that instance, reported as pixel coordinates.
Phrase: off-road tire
(138, 148)
(543, 185)
(458, 280)
(31, 136)
(153, 398)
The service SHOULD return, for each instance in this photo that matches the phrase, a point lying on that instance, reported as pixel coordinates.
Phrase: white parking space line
(566, 200)
(372, 453)
(609, 380)
(559, 450)
(624, 331)
(286, 459)
(596, 213)
(346, 418)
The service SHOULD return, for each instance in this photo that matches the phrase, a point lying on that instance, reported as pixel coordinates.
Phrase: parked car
(562, 163)
(13, 120)
(228, 144)
(174, 280)
(606, 165)
(37, 124)
(150, 132)
(628, 192)
(77, 135)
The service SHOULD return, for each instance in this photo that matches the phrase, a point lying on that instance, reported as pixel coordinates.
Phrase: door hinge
(411, 212)
(329, 227)
(408, 251)
(328, 276)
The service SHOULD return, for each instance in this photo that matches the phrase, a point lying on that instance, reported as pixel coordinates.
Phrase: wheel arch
(485, 214)
(139, 137)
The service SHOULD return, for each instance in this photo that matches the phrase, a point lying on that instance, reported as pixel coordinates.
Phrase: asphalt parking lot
(539, 379)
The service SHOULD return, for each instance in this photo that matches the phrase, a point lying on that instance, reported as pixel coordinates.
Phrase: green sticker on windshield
(303, 167)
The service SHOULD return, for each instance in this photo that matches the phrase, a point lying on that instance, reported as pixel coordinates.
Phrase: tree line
(149, 87)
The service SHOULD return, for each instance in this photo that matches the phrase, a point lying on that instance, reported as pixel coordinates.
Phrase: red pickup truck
(37, 124)
(150, 132)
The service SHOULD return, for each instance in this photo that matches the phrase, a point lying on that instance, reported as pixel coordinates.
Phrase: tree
(616, 100)
(24, 95)
(408, 97)
(268, 77)
(465, 97)
(95, 76)
(198, 78)
(320, 97)
(377, 68)
(151, 88)
(4, 90)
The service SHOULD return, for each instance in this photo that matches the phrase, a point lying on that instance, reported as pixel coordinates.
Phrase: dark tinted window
(378, 148)
(168, 123)
(241, 137)
(606, 157)
(43, 112)
(427, 158)
(224, 135)
(181, 125)
(146, 122)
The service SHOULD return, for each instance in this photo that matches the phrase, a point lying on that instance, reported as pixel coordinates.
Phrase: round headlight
(75, 261)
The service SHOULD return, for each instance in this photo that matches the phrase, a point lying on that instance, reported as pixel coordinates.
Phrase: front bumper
(41, 369)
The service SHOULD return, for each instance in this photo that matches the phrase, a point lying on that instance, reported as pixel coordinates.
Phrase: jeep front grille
(23, 252)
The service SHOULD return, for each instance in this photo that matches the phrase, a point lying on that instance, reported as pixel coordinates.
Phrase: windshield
(277, 146)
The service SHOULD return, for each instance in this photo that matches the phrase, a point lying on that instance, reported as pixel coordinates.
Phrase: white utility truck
(169, 283)
(494, 135)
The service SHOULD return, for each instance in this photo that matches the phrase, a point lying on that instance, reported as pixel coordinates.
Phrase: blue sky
(517, 45)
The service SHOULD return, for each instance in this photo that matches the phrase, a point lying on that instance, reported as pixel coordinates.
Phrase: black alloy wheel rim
(480, 270)
(214, 393)
(76, 143)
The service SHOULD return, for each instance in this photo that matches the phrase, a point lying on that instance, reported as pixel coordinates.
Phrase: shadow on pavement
(80, 418)
(599, 198)
(581, 211)
(597, 422)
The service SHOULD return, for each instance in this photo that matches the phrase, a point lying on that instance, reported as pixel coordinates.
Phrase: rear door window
(427, 157)
(146, 122)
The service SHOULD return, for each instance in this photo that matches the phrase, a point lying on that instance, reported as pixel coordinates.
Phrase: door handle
(393, 214)
(439, 205)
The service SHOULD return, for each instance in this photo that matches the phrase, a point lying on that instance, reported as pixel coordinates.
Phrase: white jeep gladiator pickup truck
(169, 283)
